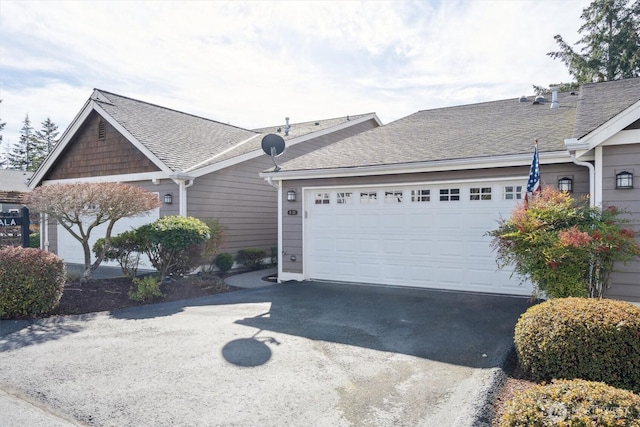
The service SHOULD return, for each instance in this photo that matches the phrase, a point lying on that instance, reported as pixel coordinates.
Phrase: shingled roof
(600, 102)
(184, 142)
(178, 139)
(13, 185)
(484, 130)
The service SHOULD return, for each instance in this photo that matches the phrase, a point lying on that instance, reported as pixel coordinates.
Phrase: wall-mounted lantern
(291, 195)
(168, 199)
(565, 184)
(624, 179)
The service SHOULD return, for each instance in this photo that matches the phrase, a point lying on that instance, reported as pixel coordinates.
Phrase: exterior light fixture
(565, 184)
(624, 179)
(168, 199)
(291, 195)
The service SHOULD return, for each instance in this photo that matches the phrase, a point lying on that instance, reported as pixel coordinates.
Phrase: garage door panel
(394, 247)
(344, 246)
(431, 244)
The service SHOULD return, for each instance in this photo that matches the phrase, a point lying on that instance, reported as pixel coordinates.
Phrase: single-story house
(409, 203)
(198, 167)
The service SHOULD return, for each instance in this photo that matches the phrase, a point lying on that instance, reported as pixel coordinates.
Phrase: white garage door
(70, 249)
(430, 236)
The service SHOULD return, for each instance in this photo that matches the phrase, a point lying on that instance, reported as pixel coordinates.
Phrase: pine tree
(20, 157)
(46, 138)
(2, 162)
(610, 45)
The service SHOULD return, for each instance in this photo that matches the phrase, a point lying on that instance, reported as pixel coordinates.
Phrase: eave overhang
(419, 167)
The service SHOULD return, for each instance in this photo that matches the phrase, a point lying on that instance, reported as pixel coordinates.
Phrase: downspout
(182, 188)
(592, 178)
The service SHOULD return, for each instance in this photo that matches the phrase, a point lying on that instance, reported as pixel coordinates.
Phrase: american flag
(533, 185)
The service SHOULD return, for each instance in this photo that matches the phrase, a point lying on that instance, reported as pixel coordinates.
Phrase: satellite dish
(273, 145)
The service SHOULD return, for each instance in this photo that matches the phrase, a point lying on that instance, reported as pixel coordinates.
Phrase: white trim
(613, 126)
(146, 176)
(113, 122)
(280, 240)
(240, 144)
(68, 134)
(290, 143)
(597, 191)
(432, 166)
(285, 277)
(624, 137)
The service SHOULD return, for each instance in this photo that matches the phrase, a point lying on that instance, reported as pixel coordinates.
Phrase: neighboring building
(13, 184)
(198, 167)
(409, 203)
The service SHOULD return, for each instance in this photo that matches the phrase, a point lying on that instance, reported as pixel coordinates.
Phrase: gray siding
(292, 241)
(625, 281)
(245, 203)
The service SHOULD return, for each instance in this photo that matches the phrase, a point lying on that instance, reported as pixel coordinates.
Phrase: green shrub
(210, 248)
(224, 262)
(34, 240)
(172, 243)
(564, 246)
(274, 257)
(145, 288)
(125, 248)
(572, 403)
(31, 281)
(252, 258)
(592, 339)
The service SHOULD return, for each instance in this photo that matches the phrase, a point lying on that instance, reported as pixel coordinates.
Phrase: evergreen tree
(21, 156)
(610, 45)
(2, 162)
(46, 138)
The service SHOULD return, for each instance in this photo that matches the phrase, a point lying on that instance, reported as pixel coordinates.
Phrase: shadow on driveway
(466, 329)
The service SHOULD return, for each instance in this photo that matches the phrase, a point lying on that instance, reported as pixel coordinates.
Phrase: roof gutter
(182, 179)
(573, 145)
(432, 166)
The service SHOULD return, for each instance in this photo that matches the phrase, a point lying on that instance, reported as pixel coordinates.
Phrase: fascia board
(145, 176)
(62, 143)
(133, 140)
(611, 127)
(257, 153)
(435, 166)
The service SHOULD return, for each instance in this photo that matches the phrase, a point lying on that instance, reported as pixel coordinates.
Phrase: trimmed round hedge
(31, 281)
(572, 403)
(592, 339)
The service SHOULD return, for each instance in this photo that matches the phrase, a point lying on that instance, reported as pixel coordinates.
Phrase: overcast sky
(251, 64)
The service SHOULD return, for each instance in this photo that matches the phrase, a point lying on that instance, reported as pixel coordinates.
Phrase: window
(344, 198)
(449, 194)
(322, 198)
(513, 192)
(102, 130)
(420, 195)
(483, 193)
(368, 197)
(393, 196)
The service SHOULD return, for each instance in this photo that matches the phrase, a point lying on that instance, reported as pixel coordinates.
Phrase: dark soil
(517, 380)
(110, 294)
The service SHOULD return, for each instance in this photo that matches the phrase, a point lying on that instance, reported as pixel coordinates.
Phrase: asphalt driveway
(313, 354)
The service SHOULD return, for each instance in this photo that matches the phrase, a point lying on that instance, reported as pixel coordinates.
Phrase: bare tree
(80, 207)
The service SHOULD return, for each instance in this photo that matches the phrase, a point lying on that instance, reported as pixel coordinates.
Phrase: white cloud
(253, 63)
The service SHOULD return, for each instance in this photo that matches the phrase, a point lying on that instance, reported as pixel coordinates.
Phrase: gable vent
(102, 131)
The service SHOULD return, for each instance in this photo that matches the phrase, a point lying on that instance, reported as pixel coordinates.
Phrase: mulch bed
(111, 294)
